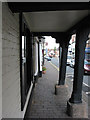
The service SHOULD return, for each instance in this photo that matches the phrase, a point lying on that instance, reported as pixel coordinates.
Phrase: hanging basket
(44, 72)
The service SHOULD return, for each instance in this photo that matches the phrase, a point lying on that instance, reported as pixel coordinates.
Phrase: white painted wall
(11, 98)
(11, 95)
(40, 46)
(0, 60)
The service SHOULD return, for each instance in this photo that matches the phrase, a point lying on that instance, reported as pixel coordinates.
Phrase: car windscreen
(86, 62)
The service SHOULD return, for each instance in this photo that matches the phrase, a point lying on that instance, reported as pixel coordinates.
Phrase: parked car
(72, 63)
(86, 67)
(53, 54)
(45, 57)
(68, 60)
(87, 58)
(48, 59)
(50, 55)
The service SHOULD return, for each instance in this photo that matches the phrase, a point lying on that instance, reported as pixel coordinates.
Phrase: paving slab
(44, 102)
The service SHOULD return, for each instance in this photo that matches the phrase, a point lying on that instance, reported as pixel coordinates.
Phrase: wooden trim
(39, 34)
(47, 6)
(38, 59)
(20, 29)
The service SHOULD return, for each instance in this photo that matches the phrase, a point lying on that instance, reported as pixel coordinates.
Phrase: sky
(51, 42)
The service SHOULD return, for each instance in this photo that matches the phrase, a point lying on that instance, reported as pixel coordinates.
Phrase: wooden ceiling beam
(47, 6)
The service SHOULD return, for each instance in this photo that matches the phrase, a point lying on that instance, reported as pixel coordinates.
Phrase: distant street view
(70, 74)
(52, 54)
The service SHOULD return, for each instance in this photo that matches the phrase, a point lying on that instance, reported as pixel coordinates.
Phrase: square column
(62, 68)
(62, 63)
(62, 71)
(81, 37)
(75, 103)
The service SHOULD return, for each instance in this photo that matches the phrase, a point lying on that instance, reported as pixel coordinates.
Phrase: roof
(53, 18)
(54, 21)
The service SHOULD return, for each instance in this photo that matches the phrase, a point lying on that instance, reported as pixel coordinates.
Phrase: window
(25, 61)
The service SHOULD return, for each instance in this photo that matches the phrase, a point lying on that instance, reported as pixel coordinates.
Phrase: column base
(61, 89)
(78, 110)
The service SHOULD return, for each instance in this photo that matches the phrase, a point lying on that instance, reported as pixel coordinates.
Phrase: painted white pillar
(36, 59)
(40, 46)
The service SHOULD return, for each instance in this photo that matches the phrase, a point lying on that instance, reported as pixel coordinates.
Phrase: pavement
(44, 103)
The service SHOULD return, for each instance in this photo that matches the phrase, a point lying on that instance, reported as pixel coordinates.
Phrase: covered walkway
(44, 103)
(23, 27)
